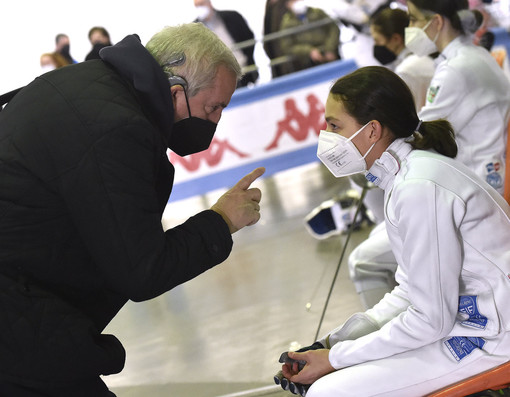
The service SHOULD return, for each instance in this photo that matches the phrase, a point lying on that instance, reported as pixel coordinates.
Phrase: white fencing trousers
(411, 374)
(372, 267)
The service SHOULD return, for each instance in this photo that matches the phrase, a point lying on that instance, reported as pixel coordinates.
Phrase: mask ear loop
(425, 28)
(178, 80)
(361, 129)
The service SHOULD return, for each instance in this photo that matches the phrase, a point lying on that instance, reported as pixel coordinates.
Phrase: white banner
(275, 125)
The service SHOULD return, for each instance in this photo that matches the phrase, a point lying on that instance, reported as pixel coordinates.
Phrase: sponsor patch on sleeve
(432, 93)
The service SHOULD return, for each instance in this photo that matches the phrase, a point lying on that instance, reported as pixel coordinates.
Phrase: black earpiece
(178, 80)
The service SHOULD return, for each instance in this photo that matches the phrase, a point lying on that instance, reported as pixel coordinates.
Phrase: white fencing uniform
(470, 90)
(449, 316)
(417, 72)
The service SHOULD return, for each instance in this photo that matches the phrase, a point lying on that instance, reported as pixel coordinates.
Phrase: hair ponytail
(437, 135)
(469, 20)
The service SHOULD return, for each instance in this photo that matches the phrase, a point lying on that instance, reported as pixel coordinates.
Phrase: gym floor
(221, 334)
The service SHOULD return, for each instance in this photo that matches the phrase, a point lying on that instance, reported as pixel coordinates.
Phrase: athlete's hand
(317, 365)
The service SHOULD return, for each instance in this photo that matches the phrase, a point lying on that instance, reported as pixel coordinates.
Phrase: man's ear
(175, 89)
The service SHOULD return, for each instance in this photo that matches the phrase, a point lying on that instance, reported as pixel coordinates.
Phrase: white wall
(28, 27)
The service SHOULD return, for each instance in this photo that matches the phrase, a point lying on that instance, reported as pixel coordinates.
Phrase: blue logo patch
(468, 305)
(462, 346)
(371, 177)
(495, 180)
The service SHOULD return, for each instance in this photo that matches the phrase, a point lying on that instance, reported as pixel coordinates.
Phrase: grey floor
(222, 333)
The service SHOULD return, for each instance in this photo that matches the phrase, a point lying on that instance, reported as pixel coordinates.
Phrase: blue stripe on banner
(295, 81)
(228, 178)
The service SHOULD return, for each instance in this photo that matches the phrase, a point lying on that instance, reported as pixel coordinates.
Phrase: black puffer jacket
(84, 179)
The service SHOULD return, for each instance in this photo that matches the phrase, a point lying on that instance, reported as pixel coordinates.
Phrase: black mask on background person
(191, 135)
(383, 55)
(65, 51)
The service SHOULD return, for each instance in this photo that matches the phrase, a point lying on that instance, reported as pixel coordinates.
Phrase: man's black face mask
(191, 135)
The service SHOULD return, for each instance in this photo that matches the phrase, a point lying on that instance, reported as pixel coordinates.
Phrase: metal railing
(278, 35)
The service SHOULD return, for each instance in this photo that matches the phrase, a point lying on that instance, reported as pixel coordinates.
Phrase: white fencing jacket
(417, 72)
(471, 91)
(450, 233)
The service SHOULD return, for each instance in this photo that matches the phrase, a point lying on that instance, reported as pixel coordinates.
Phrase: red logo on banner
(296, 124)
(211, 156)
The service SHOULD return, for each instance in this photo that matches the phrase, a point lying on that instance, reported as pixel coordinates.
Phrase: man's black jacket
(84, 180)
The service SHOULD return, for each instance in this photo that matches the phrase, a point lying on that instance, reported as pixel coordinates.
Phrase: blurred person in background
(63, 47)
(99, 38)
(232, 28)
(309, 47)
(275, 9)
(387, 28)
(52, 60)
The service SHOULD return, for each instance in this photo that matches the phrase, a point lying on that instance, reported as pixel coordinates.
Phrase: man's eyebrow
(221, 104)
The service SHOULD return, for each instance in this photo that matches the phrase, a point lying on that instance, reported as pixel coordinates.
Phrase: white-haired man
(84, 180)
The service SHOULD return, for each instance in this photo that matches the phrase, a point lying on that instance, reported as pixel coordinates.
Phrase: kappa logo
(295, 123)
(432, 93)
(298, 124)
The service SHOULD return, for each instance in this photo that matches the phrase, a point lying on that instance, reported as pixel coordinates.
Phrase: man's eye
(213, 109)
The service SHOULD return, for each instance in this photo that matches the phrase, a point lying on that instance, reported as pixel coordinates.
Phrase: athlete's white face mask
(340, 155)
(418, 42)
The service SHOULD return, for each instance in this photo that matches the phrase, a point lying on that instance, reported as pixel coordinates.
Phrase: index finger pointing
(245, 182)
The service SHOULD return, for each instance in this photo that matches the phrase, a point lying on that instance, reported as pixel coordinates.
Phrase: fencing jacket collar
(383, 171)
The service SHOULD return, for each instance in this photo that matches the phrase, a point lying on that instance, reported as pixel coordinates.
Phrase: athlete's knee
(324, 387)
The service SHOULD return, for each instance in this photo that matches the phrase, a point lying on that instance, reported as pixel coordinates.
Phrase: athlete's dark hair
(376, 93)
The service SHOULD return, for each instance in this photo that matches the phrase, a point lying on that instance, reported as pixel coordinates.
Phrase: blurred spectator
(99, 38)
(63, 47)
(275, 9)
(51, 61)
(313, 46)
(231, 28)
(387, 28)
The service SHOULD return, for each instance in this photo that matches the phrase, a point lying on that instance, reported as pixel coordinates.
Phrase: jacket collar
(383, 171)
(452, 48)
(135, 64)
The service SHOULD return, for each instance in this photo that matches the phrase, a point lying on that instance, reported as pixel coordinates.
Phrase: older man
(84, 179)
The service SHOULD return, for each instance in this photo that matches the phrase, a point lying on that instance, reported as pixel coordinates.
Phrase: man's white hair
(193, 52)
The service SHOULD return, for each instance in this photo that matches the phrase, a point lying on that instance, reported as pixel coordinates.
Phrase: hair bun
(469, 21)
